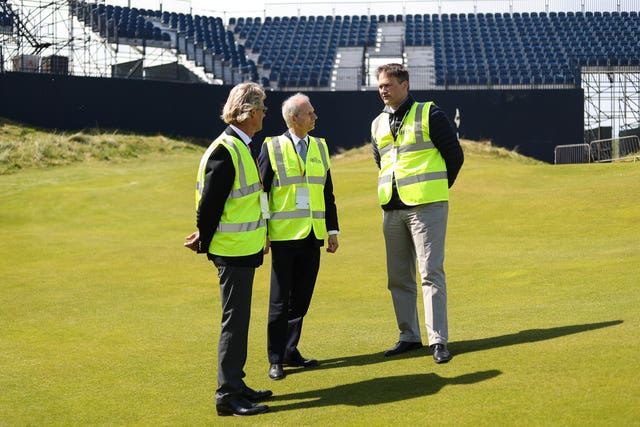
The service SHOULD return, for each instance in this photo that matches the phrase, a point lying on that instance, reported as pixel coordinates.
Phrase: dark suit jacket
(219, 176)
(331, 212)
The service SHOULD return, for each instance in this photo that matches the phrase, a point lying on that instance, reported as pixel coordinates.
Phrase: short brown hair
(242, 99)
(394, 70)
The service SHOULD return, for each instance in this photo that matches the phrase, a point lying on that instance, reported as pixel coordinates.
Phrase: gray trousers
(236, 284)
(418, 234)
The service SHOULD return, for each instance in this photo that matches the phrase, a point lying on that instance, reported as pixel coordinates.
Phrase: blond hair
(242, 99)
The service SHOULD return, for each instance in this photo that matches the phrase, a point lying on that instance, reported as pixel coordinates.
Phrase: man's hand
(192, 241)
(332, 243)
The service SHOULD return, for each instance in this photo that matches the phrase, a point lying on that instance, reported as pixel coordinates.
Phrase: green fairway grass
(106, 319)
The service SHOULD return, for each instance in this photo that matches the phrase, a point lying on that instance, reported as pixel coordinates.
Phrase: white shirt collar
(297, 140)
(245, 138)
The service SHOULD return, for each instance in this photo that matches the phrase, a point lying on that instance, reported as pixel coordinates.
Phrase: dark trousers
(236, 284)
(293, 277)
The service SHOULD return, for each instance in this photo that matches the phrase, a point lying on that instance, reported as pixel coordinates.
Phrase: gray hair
(290, 106)
(242, 99)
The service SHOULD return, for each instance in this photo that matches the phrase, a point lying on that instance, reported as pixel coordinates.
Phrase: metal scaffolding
(611, 100)
(37, 33)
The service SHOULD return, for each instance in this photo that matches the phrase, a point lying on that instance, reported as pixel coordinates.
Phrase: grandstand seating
(300, 51)
(478, 49)
(524, 48)
(6, 22)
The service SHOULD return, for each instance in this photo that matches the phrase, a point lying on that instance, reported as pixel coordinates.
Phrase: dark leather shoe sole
(239, 407)
(227, 412)
(403, 347)
(442, 359)
(255, 396)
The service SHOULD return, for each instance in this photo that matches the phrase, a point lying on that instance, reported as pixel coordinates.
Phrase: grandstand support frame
(47, 30)
(611, 98)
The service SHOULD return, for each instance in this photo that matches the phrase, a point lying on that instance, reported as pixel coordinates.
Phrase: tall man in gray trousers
(419, 156)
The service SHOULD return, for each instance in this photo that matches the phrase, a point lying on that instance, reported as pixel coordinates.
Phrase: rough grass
(23, 147)
(107, 320)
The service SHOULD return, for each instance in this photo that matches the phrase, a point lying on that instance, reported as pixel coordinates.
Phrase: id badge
(302, 198)
(264, 205)
(393, 156)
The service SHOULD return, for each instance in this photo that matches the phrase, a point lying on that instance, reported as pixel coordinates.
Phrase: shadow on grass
(469, 346)
(526, 336)
(378, 390)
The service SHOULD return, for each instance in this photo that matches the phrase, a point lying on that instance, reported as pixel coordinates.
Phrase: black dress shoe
(256, 395)
(402, 347)
(240, 407)
(440, 353)
(301, 362)
(276, 372)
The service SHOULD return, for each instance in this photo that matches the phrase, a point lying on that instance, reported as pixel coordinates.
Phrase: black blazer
(219, 176)
(331, 212)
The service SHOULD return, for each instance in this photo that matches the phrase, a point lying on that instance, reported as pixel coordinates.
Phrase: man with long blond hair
(232, 232)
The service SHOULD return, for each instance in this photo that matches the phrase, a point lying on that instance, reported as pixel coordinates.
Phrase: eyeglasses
(263, 108)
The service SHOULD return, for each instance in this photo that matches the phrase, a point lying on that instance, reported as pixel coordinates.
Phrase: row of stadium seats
(301, 51)
(121, 22)
(530, 40)
(469, 49)
(6, 23)
(311, 18)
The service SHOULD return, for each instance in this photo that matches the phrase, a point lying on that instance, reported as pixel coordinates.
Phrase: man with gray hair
(295, 173)
(232, 232)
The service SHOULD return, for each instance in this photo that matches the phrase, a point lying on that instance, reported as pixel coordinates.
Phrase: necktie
(302, 149)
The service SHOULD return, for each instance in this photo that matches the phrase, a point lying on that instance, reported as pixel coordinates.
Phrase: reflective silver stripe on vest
(384, 150)
(384, 179)
(316, 180)
(282, 172)
(323, 154)
(299, 180)
(418, 124)
(418, 146)
(241, 174)
(241, 227)
(245, 191)
(297, 214)
(429, 176)
(290, 180)
(419, 136)
(283, 179)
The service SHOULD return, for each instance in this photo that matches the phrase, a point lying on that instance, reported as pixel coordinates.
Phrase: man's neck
(244, 135)
(248, 130)
(297, 133)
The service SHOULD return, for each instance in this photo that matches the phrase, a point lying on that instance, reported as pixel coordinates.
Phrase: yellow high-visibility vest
(288, 221)
(411, 159)
(242, 230)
